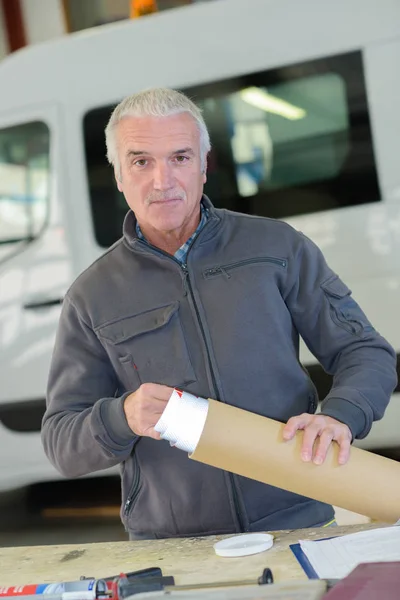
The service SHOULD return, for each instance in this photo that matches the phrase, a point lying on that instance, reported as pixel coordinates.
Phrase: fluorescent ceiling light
(272, 104)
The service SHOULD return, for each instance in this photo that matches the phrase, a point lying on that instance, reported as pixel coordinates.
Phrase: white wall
(43, 20)
(3, 36)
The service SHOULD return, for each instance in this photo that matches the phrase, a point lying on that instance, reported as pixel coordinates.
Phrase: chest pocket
(151, 347)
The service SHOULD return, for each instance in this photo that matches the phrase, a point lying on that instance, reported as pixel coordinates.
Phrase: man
(212, 302)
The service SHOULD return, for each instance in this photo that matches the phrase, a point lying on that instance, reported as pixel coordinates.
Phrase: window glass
(285, 142)
(285, 135)
(24, 181)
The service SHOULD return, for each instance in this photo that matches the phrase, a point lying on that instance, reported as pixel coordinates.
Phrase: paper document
(336, 557)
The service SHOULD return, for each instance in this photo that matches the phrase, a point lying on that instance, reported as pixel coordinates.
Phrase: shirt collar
(203, 220)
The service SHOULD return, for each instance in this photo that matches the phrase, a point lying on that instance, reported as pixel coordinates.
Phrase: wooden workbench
(190, 560)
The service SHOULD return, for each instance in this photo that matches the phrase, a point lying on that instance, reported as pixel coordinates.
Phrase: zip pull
(213, 271)
(185, 278)
(217, 271)
(225, 273)
(127, 505)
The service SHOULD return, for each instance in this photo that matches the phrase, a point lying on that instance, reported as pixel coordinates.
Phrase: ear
(118, 179)
(205, 172)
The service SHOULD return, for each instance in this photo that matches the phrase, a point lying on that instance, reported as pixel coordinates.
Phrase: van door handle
(38, 304)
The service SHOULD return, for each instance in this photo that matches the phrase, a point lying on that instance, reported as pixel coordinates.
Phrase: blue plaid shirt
(181, 253)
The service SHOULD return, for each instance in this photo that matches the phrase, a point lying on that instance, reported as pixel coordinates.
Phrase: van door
(35, 271)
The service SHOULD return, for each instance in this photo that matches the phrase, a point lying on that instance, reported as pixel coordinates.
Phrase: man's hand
(144, 407)
(326, 429)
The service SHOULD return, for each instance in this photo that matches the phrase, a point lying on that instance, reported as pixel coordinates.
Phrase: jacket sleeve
(84, 427)
(338, 333)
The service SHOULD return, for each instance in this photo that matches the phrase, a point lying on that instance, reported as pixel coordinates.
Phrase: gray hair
(156, 102)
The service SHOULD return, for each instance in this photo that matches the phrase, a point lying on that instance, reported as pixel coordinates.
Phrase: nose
(163, 179)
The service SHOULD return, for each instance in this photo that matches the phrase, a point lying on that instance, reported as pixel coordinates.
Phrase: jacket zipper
(133, 492)
(186, 278)
(214, 382)
(226, 268)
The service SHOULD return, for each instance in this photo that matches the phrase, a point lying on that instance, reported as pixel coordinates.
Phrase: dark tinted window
(285, 142)
(24, 183)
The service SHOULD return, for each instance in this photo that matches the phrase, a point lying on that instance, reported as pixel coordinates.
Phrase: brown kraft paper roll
(253, 446)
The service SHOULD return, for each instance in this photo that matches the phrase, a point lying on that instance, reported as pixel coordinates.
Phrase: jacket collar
(129, 226)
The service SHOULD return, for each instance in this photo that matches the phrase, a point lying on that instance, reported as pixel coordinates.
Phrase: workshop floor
(74, 512)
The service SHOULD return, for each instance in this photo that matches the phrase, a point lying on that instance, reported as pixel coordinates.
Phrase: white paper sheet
(335, 558)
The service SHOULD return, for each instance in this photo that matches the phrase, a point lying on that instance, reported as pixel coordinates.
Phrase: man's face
(161, 175)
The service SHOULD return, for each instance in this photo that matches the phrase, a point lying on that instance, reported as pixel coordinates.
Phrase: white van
(302, 102)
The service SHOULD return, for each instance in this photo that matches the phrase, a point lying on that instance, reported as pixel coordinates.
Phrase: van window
(285, 142)
(24, 182)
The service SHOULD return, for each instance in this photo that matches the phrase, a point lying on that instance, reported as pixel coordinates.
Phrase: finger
(157, 391)
(294, 424)
(324, 441)
(145, 415)
(148, 410)
(155, 407)
(310, 434)
(162, 392)
(344, 451)
(152, 433)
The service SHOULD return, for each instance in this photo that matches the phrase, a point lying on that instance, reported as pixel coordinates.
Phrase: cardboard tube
(253, 446)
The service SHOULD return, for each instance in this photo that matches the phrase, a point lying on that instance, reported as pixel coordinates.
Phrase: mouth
(167, 201)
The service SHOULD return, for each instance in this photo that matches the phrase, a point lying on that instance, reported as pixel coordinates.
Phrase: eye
(181, 158)
(142, 162)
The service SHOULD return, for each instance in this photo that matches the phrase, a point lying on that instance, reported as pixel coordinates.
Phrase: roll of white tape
(183, 420)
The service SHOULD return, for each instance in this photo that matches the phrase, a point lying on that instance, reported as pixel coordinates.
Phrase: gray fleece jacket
(225, 325)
